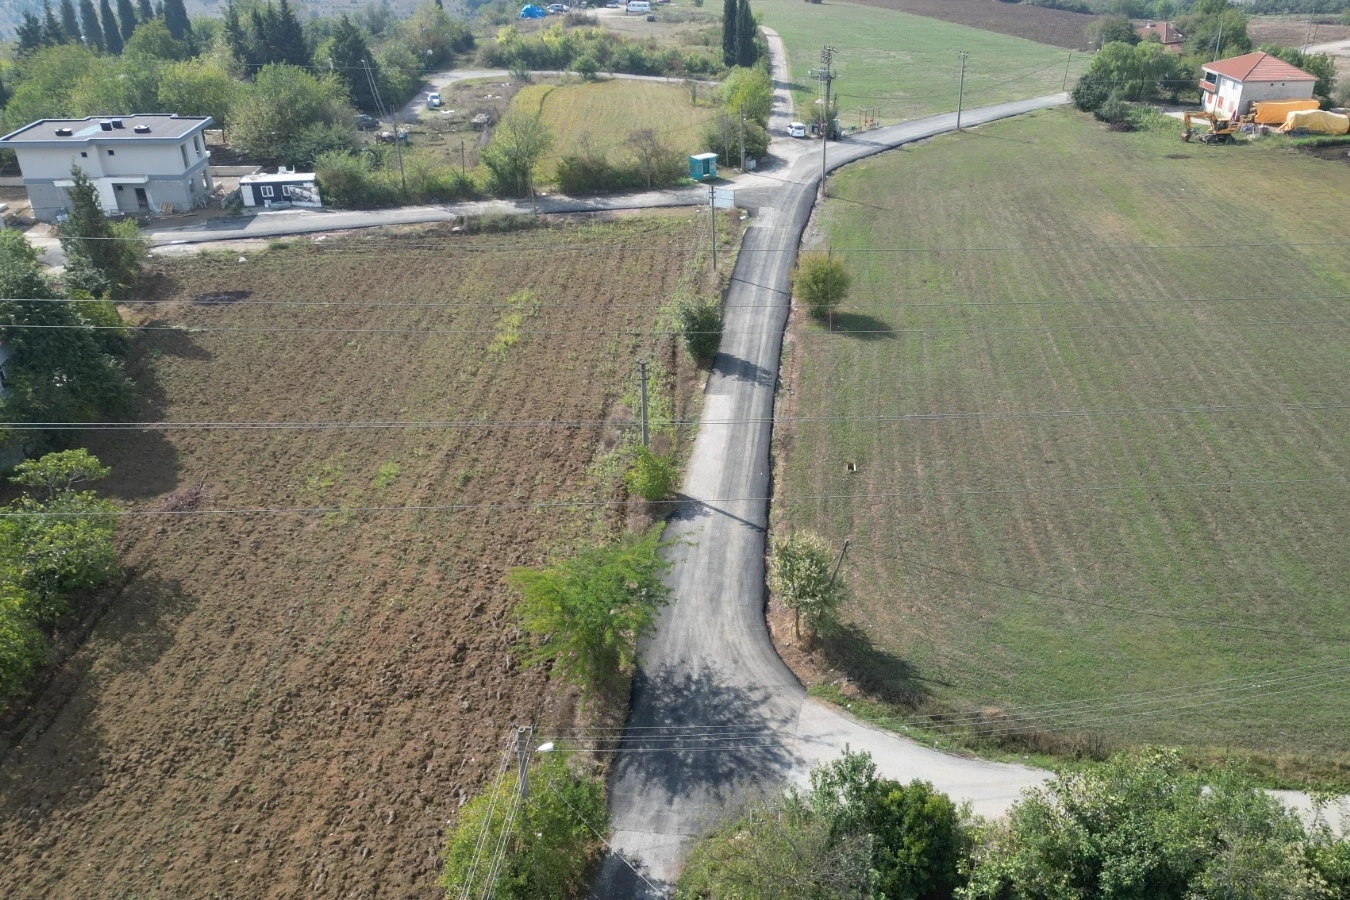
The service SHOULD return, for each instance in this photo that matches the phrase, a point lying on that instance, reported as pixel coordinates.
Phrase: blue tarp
(531, 12)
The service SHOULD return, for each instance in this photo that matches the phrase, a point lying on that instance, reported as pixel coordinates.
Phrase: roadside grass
(1045, 265)
(605, 113)
(909, 65)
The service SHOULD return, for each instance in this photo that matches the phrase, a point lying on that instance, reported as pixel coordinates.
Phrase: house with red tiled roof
(1231, 86)
(1166, 32)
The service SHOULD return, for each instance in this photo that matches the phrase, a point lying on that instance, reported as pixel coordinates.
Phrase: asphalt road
(716, 714)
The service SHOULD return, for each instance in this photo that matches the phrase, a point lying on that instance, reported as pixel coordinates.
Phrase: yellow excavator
(1221, 131)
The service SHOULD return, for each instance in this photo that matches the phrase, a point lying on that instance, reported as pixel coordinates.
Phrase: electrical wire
(557, 793)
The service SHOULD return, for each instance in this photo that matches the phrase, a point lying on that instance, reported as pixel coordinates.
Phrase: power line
(896, 418)
(577, 503)
(557, 793)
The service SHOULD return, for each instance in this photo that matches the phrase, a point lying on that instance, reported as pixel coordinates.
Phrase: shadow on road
(704, 735)
(687, 509)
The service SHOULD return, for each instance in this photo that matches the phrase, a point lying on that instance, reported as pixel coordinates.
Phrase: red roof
(1258, 67)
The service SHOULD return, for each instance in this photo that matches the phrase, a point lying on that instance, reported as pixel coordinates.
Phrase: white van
(638, 7)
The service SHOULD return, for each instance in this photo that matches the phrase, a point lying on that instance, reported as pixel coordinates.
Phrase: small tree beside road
(821, 282)
(520, 141)
(800, 574)
(700, 322)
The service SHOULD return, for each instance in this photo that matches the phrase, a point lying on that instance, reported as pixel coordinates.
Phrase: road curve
(716, 714)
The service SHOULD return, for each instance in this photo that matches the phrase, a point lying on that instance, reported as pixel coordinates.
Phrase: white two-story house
(1231, 86)
(144, 163)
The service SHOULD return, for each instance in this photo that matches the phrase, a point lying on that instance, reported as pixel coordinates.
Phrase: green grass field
(1010, 276)
(910, 65)
(607, 112)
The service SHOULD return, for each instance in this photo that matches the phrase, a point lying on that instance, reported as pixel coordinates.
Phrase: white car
(433, 101)
(796, 129)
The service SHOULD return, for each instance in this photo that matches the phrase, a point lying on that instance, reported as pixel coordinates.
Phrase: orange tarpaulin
(1274, 112)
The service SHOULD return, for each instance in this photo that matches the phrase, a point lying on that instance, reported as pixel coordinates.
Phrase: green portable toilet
(702, 166)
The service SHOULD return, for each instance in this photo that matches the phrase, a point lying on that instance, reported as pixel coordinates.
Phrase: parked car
(613, 4)
(797, 129)
(636, 7)
(387, 137)
(531, 11)
(433, 101)
(555, 9)
(367, 123)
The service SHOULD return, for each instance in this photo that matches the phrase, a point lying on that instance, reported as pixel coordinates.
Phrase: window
(112, 152)
(196, 145)
(84, 155)
(183, 149)
(267, 190)
(285, 190)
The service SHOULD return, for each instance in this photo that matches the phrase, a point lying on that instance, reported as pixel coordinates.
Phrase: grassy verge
(908, 65)
(1138, 570)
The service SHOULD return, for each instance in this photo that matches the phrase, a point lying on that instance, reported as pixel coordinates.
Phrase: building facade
(1231, 86)
(285, 188)
(139, 164)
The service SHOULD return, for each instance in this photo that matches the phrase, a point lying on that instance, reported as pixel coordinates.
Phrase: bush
(701, 326)
(368, 180)
(821, 282)
(1114, 111)
(1091, 91)
(550, 844)
(650, 476)
(723, 137)
(588, 611)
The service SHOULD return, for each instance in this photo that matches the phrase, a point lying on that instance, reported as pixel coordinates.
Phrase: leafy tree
(588, 611)
(723, 137)
(748, 91)
(551, 842)
(1215, 29)
(152, 41)
(58, 473)
(518, 144)
(44, 80)
(176, 19)
(126, 18)
(1116, 29)
(1144, 826)
(659, 163)
(821, 282)
(730, 23)
(70, 25)
(4, 95)
(93, 32)
(279, 115)
(432, 28)
(112, 37)
(29, 35)
(701, 326)
(800, 574)
(52, 32)
(1091, 91)
(198, 87)
(23, 648)
(747, 51)
(58, 374)
(113, 256)
(114, 83)
(651, 476)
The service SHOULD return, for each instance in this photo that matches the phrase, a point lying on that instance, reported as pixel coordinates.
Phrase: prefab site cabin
(285, 187)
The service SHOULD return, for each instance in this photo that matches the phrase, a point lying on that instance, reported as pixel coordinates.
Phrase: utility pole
(961, 91)
(742, 140)
(642, 368)
(712, 220)
(838, 563)
(524, 733)
(463, 170)
(826, 57)
(393, 120)
(1066, 70)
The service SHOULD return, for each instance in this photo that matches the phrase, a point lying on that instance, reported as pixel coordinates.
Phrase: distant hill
(11, 11)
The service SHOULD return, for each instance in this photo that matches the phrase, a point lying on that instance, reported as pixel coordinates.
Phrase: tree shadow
(878, 673)
(733, 367)
(862, 326)
(696, 736)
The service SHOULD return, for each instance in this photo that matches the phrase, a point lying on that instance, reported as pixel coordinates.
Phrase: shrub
(723, 137)
(550, 844)
(651, 476)
(800, 569)
(1091, 91)
(588, 611)
(700, 322)
(821, 282)
(1114, 111)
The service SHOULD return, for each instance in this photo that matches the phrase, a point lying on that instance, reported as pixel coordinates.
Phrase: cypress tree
(349, 55)
(69, 23)
(729, 23)
(288, 39)
(93, 32)
(746, 52)
(52, 32)
(143, 10)
(4, 95)
(126, 17)
(176, 19)
(29, 33)
(112, 38)
(235, 38)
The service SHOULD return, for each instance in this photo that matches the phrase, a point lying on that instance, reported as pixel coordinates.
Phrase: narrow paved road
(716, 714)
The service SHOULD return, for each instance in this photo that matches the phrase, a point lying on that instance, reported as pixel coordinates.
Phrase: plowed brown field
(1035, 23)
(291, 704)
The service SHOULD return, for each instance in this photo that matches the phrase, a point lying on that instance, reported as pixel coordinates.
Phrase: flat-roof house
(286, 187)
(143, 163)
(1231, 86)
